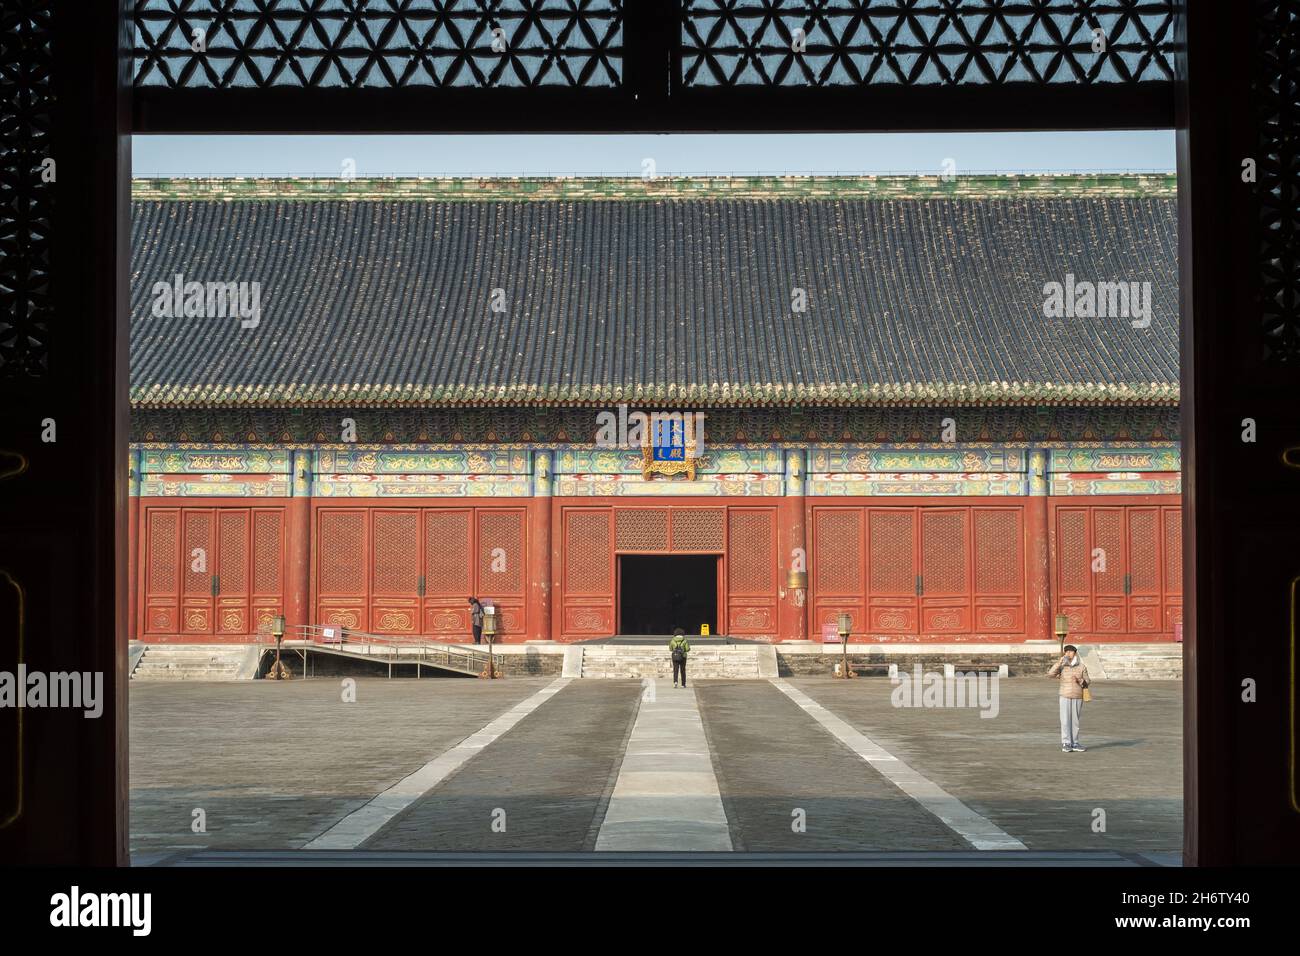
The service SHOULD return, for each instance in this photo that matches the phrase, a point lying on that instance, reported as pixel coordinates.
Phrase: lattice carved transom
(697, 529)
(641, 529)
(463, 44)
(1277, 91)
(26, 306)
(925, 42)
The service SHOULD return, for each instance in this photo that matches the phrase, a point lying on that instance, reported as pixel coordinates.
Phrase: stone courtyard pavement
(539, 764)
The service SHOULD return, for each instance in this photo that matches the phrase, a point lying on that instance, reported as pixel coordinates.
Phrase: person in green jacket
(679, 647)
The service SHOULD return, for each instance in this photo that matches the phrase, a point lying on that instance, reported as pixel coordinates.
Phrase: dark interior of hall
(660, 592)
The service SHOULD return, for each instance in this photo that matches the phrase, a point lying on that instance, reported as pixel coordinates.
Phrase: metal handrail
(434, 653)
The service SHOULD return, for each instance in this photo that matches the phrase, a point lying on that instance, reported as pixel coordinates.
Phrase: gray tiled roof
(683, 300)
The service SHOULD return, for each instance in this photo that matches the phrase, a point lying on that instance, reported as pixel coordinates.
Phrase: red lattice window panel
(396, 536)
(232, 546)
(1144, 539)
(162, 552)
(750, 564)
(266, 551)
(943, 562)
(837, 563)
(197, 552)
(997, 552)
(1072, 548)
(342, 552)
(1108, 550)
(587, 553)
(892, 549)
(501, 552)
(446, 553)
(1173, 550)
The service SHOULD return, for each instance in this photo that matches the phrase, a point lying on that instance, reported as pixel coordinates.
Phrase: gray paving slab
(977, 830)
(273, 764)
(366, 821)
(540, 787)
(789, 786)
(1010, 768)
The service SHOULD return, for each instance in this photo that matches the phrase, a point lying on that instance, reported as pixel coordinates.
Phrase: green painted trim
(633, 188)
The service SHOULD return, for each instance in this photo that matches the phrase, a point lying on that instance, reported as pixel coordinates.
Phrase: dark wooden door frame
(65, 515)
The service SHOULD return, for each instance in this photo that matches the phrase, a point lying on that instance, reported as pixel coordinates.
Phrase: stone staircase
(212, 662)
(633, 662)
(1141, 661)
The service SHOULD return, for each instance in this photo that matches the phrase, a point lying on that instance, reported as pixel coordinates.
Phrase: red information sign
(830, 633)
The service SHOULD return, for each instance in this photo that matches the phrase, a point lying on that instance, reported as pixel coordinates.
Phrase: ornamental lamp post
(845, 623)
(278, 670)
(1062, 629)
(490, 631)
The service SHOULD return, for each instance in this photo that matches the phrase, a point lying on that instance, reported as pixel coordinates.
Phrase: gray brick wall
(814, 665)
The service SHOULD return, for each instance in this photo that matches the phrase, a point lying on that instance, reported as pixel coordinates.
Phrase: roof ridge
(634, 188)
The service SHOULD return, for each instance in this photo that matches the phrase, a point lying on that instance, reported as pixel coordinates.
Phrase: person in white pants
(1073, 677)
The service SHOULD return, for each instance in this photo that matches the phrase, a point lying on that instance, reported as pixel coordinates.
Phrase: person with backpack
(679, 647)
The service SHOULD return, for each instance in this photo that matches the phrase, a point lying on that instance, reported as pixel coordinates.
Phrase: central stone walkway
(666, 796)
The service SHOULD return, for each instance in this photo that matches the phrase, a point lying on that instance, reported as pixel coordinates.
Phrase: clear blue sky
(486, 155)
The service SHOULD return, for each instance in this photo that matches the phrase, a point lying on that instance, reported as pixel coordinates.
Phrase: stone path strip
(976, 830)
(363, 823)
(666, 796)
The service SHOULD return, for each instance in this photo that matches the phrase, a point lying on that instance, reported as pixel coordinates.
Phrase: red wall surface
(906, 570)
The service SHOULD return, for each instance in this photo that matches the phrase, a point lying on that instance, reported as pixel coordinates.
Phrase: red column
(297, 594)
(1038, 576)
(539, 549)
(793, 558)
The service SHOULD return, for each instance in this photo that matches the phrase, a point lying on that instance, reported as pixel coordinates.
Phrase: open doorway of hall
(658, 592)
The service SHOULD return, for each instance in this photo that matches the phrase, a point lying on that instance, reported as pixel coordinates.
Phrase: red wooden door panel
(1172, 518)
(395, 571)
(999, 570)
(1109, 563)
(751, 572)
(500, 567)
(1074, 567)
(448, 576)
(892, 571)
(1119, 570)
(162, 565)
(266, 595)
(198, 570)
(945, 587)
(1145, 615)
(838, 567)
(232, 614)
(588, 572)
(341, 551)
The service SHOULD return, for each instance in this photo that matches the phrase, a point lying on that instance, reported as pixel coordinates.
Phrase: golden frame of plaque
(651, 466)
